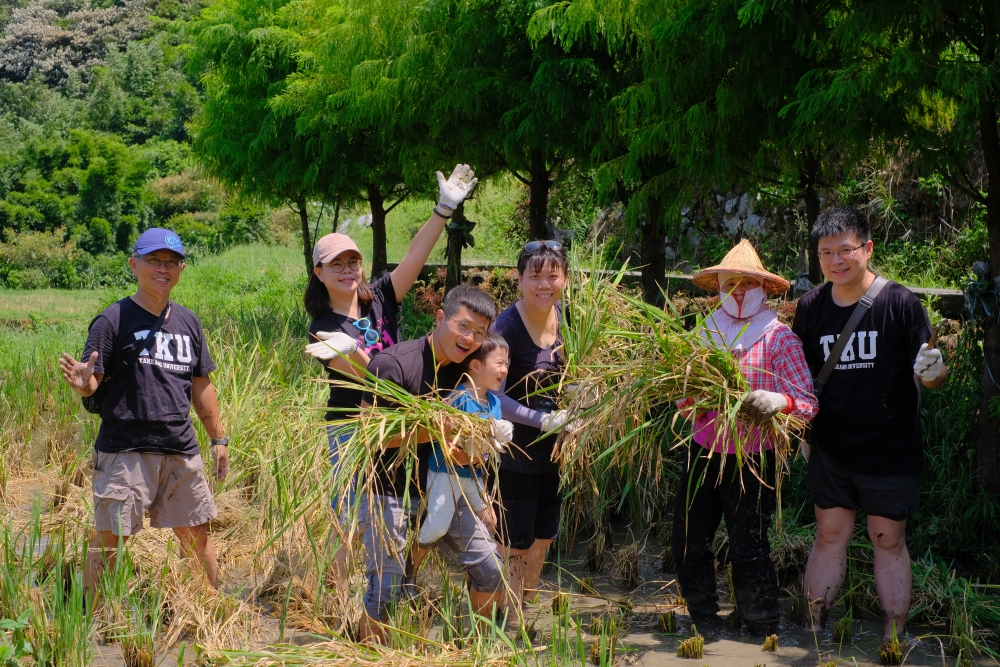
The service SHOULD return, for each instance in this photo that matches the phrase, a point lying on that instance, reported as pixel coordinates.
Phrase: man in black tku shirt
(146, 457)
(866, 449)
(423, 366)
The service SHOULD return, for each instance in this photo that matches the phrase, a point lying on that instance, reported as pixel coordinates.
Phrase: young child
(484, 373)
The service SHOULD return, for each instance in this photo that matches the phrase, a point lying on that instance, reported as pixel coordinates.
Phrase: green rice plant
(41, 586)
(890, 652)
(133, 607)
(797, 612)
(667, 622)
(691, 648)
(602, 650)
(586, 585)
(842, 628)
(59, 633)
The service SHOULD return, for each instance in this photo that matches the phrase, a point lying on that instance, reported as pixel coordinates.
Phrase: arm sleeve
(918, 327)
(517, 413)
(792, 374)
(385, 292)
(101, 339)
(384, 367)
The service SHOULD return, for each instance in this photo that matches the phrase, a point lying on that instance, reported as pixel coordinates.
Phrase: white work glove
(503, 433)
(928, 364)
(453, 191)
(553, 421)
(503, 430)
(588, 396)
(332, 344)
(759, 406)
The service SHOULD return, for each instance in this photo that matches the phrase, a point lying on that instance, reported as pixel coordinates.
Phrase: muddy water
(644, 644)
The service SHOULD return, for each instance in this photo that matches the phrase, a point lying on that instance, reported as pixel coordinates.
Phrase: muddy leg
(827, 565)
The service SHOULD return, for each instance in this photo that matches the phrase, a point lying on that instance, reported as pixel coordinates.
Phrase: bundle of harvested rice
(643, 360)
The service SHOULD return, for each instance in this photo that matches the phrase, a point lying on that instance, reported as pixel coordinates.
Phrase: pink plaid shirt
(775, 362)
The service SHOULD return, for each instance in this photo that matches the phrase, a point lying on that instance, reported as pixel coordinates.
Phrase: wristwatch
(220, 442)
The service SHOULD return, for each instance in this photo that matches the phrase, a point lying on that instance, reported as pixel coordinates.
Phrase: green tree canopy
(925, 73)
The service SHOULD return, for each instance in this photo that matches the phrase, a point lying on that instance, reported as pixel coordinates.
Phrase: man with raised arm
(866, 451)
(146, 457)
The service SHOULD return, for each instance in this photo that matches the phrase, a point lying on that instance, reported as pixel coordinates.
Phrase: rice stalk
(691, 648)
(667, 622)
(643, 360)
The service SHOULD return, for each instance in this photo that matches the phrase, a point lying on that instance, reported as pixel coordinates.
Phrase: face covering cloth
(739, 322)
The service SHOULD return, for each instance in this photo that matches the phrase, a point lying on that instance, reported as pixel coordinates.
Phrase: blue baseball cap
(156, 238)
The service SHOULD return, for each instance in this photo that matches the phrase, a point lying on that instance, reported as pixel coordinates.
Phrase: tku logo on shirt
(162, 353)
(866, 346)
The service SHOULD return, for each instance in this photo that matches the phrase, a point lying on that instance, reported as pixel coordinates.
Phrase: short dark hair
(490, 344)
(536, 261)
(840, 220)
(473, 298)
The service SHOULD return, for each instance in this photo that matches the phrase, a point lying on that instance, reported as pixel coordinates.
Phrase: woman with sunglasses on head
(353, 320)
(528, 480)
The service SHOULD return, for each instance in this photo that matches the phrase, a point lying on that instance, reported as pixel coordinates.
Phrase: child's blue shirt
(465, 400)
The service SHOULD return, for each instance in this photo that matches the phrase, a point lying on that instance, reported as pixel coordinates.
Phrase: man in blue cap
(149, 359)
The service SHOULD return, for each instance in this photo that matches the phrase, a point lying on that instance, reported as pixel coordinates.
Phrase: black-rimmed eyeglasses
(843, 253)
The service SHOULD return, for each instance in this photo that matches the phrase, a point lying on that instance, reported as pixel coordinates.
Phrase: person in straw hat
(714, 485)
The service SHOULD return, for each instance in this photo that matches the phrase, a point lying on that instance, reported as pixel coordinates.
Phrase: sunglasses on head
(534, 246)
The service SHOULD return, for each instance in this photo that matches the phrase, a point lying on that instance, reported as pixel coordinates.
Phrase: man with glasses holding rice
(425, 366)
(148, 357)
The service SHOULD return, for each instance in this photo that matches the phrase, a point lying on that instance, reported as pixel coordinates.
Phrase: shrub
(186, 192)
(32, 260)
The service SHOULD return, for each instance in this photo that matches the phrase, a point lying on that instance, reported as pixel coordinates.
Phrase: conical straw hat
(742, 259)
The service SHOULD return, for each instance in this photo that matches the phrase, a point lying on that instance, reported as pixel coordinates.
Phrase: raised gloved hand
(928, 364)
(453, 191)
(553, 421)
(759, 406)
(332, 344)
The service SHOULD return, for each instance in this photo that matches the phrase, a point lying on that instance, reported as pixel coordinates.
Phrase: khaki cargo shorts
(171, 487)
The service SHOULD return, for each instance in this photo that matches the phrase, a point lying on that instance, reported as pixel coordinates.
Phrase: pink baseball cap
(332, 245)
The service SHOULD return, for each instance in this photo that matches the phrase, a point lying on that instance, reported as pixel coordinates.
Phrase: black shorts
(832, 485)
(531, 508)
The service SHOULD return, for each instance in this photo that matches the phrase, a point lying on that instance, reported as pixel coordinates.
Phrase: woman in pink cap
(714, 485)
(353, 320)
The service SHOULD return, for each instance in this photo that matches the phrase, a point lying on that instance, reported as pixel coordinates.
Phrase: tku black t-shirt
(868, 419)
(411, 365)
(383, 317)
(147, 405)
(532, 369)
